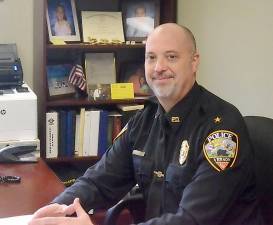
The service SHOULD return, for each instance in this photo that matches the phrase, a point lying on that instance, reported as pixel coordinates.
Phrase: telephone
(15, 153)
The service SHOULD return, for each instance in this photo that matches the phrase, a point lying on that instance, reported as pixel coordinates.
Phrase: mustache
(162, 76)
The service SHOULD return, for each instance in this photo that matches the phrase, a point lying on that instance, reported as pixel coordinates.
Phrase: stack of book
(76, 134)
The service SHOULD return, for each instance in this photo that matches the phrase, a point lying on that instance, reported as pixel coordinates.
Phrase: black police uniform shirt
(193, 165)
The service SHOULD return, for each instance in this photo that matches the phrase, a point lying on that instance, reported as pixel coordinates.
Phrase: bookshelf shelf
(86, 46)
(86, 102)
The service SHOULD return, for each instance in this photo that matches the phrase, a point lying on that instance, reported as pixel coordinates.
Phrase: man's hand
(59, 218)
(54, 210)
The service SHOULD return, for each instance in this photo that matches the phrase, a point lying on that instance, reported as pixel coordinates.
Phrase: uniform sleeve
(107, 181)
(209, 198)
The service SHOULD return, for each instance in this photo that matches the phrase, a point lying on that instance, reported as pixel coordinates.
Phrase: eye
(150, 58)
(172, 57)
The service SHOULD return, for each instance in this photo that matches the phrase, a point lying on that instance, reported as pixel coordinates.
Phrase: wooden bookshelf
(55, 53)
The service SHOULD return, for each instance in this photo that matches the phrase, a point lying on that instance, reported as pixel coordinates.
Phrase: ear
(195, 61)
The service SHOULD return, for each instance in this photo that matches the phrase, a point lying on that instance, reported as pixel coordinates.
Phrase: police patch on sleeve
(221, 148)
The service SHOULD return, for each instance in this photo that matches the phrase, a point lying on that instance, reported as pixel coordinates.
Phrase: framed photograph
(133, 72)
(140, 18)
(99, 92)
(57, 80)
(62, 20)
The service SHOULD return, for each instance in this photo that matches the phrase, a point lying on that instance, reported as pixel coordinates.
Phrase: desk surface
(39, 185)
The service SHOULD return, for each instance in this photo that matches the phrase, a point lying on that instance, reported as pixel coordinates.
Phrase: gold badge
(221, 148)
(183, 152)
(175, 119)
(217, 119)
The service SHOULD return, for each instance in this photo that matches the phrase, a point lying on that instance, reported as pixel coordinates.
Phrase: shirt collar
(179, 111)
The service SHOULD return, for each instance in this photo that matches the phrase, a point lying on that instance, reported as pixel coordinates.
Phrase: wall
(16, 22)
(235, 40)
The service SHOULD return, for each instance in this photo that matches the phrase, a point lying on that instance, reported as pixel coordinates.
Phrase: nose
(160, 65)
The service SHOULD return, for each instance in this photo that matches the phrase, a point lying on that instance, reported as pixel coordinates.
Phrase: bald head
(175, 33)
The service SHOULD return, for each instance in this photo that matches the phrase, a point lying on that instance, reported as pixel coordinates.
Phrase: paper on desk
(16, 220)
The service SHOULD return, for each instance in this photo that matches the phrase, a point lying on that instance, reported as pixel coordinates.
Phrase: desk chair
(261, 135)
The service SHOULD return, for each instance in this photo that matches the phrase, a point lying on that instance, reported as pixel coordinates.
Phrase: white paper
(16, 220)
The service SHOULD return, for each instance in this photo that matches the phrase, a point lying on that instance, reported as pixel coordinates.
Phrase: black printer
(11, 72)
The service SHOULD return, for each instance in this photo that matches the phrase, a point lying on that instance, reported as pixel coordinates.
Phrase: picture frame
(62, 21)
(140, 18)
(58, 80)
(99, 92)
(133, 72)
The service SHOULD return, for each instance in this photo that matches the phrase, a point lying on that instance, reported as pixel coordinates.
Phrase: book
(62, 133)
(103, 125)
(86, 133)
(77, 135)
(57, 80)
(52, 126)
(70, 133)
(81, 132)
(130, 107)
(100, 68)
(94, 134)
(91, 132)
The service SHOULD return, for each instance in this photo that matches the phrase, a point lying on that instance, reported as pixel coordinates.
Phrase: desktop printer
(11, 72)
(18, 114)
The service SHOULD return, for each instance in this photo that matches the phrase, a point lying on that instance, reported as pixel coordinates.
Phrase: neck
(168, 103)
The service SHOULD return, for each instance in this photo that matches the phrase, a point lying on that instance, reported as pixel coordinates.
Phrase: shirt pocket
(143, 170)
(177, 177)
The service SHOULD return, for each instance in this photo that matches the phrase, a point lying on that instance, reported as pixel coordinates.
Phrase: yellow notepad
(122, 91)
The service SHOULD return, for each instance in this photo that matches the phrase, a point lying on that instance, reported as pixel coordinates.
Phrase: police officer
(188, 150)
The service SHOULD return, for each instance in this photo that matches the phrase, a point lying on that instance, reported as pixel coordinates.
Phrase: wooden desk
(39, 185)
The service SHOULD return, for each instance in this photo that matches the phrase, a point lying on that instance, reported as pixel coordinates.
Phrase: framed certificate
(102, 27)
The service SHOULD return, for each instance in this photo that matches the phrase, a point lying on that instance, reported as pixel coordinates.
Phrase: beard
(163, 91)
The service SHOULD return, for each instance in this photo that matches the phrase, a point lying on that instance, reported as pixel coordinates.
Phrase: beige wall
(235, 40)
(16, 23)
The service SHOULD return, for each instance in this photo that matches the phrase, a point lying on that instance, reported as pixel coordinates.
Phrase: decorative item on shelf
(77, 77)
(99, 92)
(140, 18)
(133, 72)
(122, 91)
(102, 27)
(62, 20)
(57, 80)
(114, 91)
(100, 68)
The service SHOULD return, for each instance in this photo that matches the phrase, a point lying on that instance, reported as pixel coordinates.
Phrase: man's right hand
(54, 210)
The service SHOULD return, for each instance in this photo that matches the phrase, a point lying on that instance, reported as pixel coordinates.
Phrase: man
(188, 150)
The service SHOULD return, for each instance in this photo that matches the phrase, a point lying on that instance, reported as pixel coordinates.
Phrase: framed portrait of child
(133, 72)
(140, 18)
(62, 21)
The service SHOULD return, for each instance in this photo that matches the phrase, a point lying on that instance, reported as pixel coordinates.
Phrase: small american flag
(77, 77)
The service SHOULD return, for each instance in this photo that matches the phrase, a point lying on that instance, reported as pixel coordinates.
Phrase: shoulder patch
(121, 132)
(221, 148)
